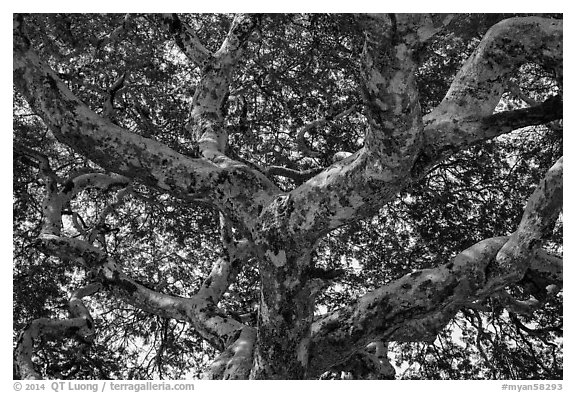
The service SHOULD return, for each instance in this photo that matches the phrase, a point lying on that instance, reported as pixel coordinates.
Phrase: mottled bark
(233, 187)
(279, 230)
(80, 325)
(416, 306)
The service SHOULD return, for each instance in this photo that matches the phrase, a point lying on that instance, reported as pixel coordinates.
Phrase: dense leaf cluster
(300, 68)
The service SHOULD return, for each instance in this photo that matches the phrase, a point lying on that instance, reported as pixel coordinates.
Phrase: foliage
(302, 67)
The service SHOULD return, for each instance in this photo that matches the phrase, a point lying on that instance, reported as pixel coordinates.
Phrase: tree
(287, 196)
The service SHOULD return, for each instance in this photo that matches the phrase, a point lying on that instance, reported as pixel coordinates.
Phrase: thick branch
(99, 181)
(186, 39)
(233, 187)
(357, 186)
(207, 117)
(398, 311)
(466, 113)
(235, 362)
(455, 132)
(397, 150)
(111, 276)
(200, 310)
(418, 305)
(40, 160)
(80, 325)
(540, 215)
(548, 265)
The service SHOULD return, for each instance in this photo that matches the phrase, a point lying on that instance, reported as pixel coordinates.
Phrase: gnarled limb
(467, 109)
(419, 304)
(200, 310)
(80, 325)
(233, 187)
(548, 265)
(297, 176)
(358, 185)
(448, 136)
(540, 215)
(186, 39)
(41, 161)
(207, 115)
(108, 109)
(235, 362)
(212, 324)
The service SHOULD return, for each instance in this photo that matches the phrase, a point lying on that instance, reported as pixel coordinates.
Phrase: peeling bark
(233, 187)
(541, 213)
(468, 106)
(236, 361)
(279, 230)
(80, 326)
(419, 304)
(186, 39)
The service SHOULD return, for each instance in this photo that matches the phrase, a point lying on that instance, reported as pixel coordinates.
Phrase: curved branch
(357, 186)
(398, 147)
(116, 35)
(297, 176)
(80, 325)
(99, 181)
(200, 310)
(418, 305)
(211, 323)
(513, 305)
(467, 109)
(540, 214)
(207, 116)
(448, 136)
(110, 275)
(550, 266)
(533, 332)
(108, 109)
(41, 161)
(301, 142)
(186, 39)
(415, 306)
(233, 187)
(235, 362)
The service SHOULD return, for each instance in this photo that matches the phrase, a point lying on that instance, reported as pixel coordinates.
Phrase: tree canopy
(317, 196)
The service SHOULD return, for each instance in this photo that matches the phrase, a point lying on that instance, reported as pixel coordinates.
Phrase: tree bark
(279, 230)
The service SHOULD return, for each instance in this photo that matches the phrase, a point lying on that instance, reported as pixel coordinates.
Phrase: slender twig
(300, 140)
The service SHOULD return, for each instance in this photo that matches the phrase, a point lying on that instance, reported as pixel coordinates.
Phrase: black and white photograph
(287, 196)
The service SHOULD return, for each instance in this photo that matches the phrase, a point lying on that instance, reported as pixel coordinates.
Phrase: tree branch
(540, 214)
(446, 137)
(513, 305)
(550, 266)
(398, 147)
(418, 305)
(108, 110)
(186, 39)
(80, 325)
(235, 362)
(211, 323)
(225, 183)
(467, 110)
(297, 176)
(200, 310)
(301, 141)
(40, 160)
(207, 117)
